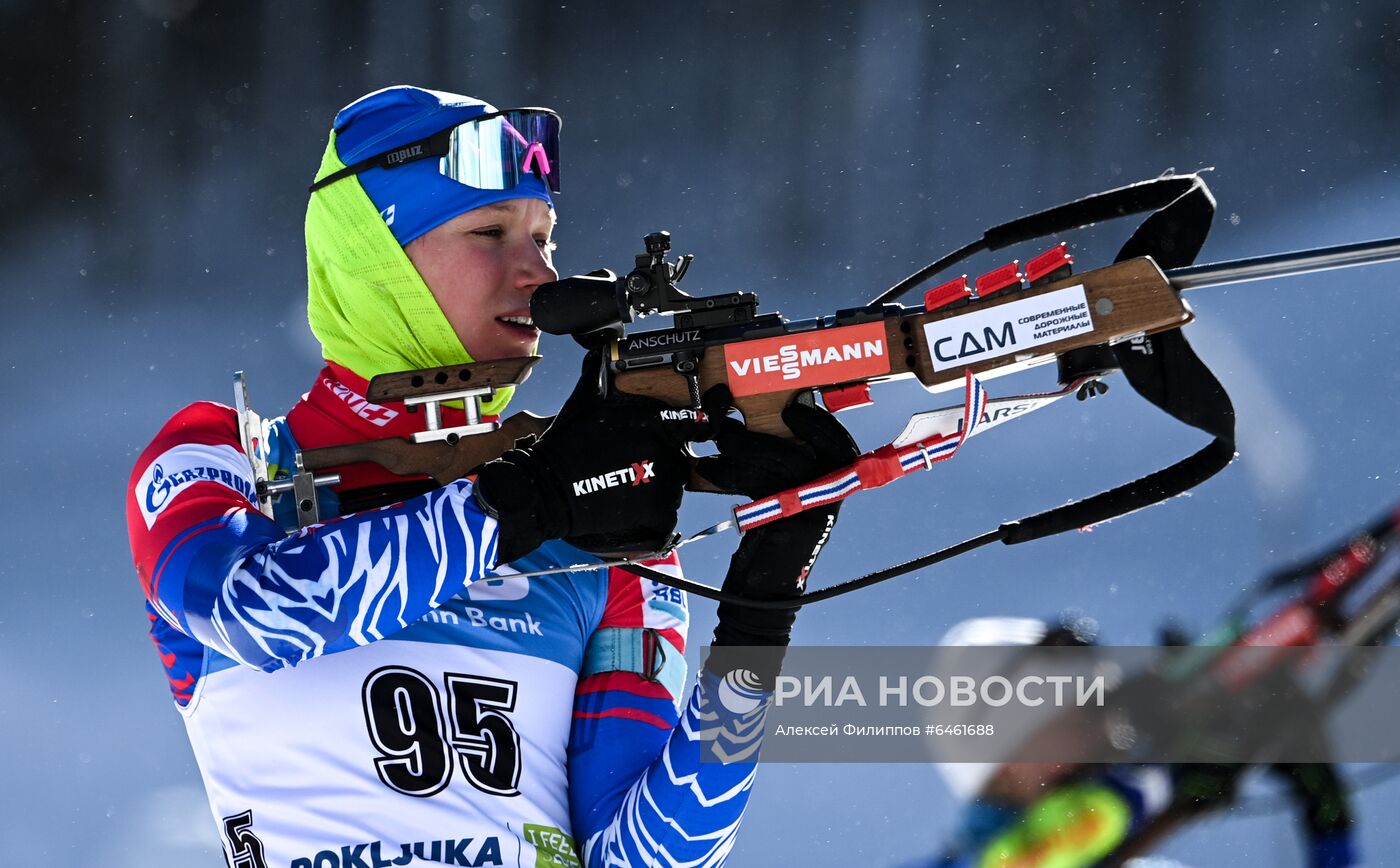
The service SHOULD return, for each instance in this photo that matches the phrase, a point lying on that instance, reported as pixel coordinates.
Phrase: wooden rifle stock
(443, 461)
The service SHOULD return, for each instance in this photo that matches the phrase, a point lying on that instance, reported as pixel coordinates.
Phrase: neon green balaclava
(366, 303)
(1076, 825)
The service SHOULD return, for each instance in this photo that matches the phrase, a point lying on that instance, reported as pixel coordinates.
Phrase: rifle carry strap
(1165, 370)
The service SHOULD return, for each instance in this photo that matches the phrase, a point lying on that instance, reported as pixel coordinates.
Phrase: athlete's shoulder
(192, 475)
(204, 433)
(197, 450)
(206, 423)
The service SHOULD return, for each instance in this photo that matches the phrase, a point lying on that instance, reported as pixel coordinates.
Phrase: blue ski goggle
(492, 152)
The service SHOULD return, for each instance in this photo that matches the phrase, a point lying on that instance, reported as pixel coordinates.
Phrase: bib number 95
(404, 711)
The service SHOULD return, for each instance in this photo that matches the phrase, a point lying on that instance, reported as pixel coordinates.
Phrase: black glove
(606, 476)
(772, 561)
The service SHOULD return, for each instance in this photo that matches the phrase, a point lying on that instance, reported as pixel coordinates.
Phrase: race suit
(374, 691)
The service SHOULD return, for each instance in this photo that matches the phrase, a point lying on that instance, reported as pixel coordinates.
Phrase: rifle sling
(1164, 369)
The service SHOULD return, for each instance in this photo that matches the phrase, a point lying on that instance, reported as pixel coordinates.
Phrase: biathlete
(382, 688)
(1048, 815)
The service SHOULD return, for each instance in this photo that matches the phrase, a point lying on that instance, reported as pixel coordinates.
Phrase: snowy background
(155, 157)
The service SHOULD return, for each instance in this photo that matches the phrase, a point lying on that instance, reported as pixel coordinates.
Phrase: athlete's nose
(535, 269)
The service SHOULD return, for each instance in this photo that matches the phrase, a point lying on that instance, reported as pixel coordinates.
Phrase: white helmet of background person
(966, 779)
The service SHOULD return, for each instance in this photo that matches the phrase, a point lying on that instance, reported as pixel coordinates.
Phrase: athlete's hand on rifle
(772, 561)
(607, 475)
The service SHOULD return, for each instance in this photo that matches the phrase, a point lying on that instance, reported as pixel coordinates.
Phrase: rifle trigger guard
(687, 366)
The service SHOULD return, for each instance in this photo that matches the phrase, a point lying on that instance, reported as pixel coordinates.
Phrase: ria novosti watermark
(956, 691)
(1077, 705)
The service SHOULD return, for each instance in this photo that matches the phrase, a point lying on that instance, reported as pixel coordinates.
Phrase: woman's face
(483, 266)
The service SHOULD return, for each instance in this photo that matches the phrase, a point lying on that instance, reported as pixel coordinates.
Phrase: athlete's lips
(519, 324)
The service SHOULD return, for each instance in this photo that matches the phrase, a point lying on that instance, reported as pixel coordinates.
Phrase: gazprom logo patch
(178, 468)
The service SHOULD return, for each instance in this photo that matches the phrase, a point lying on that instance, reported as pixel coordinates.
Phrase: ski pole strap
(1165, 370)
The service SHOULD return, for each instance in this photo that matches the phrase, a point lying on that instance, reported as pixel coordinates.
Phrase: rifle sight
(599, 300)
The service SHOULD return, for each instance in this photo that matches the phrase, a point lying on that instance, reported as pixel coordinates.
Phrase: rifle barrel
(1284, 264)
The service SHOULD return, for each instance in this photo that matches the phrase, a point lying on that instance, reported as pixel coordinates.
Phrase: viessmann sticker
(816, 358)
(1009, 328)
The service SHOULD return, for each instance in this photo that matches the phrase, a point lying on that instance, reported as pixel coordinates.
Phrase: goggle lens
(498, 151)
(493, 152)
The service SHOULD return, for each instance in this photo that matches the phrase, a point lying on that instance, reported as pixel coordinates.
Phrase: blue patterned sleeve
(270, 601)
(644, 796)
(221, 572)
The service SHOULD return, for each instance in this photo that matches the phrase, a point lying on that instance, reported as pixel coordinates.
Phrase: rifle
(1125, 316)
(1348, 596)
